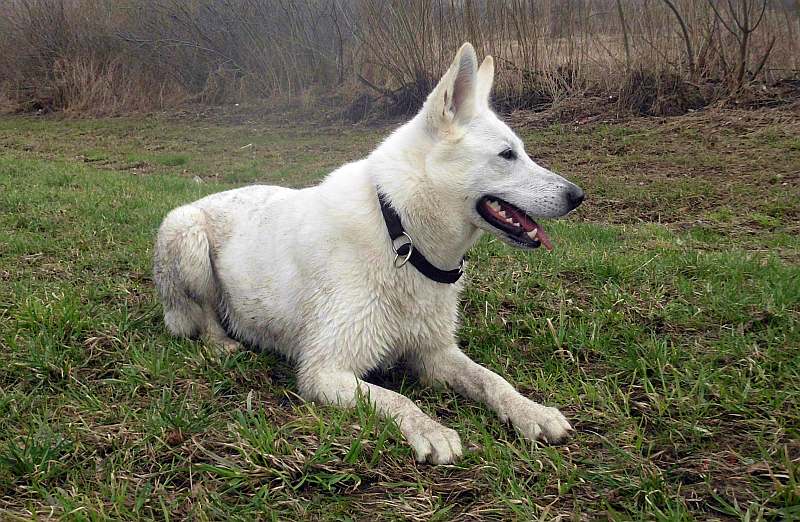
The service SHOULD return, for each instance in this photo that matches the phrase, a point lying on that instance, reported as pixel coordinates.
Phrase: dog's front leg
(429, 439)
(452, 367)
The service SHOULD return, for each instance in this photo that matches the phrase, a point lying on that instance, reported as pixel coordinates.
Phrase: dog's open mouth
(513, 222)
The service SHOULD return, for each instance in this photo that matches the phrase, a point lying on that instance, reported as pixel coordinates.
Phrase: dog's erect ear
(485, 81)
(453, 101)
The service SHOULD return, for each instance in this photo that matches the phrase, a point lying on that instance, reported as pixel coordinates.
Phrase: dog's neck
(431, 216)
(441, 238)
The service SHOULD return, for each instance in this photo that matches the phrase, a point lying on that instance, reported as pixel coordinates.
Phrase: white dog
(314, 274)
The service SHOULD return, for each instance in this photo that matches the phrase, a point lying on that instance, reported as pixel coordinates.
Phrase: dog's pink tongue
(529, 224)
(544, 238)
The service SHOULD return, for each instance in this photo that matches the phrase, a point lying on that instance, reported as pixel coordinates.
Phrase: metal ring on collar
(406, 257)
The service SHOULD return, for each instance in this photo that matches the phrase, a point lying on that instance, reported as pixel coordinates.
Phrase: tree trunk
(687, 41)
(625, 35)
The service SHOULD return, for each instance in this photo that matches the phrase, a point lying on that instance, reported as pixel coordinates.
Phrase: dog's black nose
(575, 197)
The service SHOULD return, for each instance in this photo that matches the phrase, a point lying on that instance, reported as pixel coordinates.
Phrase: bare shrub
(63, 54)
(661, 93)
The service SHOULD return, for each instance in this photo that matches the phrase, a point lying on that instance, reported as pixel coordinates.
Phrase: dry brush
(650, 56)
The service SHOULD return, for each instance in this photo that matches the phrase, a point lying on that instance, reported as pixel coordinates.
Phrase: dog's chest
(400, 315)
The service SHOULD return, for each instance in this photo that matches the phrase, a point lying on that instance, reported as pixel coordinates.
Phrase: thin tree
(624, 25)
(742, 27)
(687, 41)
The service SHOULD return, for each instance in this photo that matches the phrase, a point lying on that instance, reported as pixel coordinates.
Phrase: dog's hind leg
(185, 279)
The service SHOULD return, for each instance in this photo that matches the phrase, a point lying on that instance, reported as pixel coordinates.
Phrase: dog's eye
(508, 154)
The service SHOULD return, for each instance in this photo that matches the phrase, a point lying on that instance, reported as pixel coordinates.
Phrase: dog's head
(474, 153)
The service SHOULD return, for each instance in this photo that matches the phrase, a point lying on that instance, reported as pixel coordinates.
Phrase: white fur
(310, 272)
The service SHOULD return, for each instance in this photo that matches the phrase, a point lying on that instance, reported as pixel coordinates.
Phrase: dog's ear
(485, 81)
(453, 101)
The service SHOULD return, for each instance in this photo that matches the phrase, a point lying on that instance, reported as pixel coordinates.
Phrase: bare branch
(722, 19)
(686, 38)
(764, 58)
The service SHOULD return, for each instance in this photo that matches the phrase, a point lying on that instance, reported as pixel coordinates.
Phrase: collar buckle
(398, 251)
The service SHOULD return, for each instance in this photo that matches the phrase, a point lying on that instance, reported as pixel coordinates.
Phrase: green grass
(665, 325)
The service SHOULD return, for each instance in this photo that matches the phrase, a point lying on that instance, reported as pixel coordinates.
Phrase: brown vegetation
(649, 56)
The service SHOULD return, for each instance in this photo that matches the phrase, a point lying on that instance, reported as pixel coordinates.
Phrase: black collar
(408, 252)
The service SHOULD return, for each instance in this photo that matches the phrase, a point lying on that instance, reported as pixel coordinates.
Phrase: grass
(665, 325)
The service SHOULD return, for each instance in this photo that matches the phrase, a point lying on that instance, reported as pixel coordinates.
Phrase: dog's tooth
(532, 233)
(495, 205)
(503, 213)
(509, 220)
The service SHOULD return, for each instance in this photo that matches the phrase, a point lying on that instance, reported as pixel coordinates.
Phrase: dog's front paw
(432, 441)
(537, 422)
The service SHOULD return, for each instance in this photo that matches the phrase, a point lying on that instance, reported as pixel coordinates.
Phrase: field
(664, 324)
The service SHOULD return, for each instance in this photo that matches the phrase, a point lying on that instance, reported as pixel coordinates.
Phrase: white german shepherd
(314, 274)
